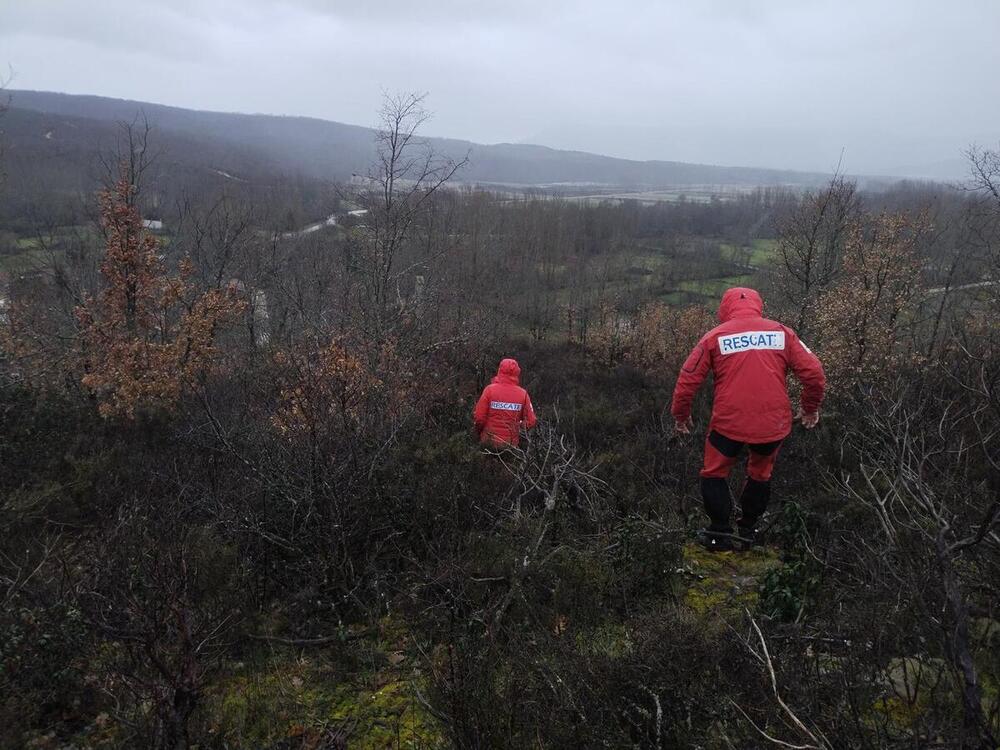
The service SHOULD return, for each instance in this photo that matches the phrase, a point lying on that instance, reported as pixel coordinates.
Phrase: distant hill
(52, 125)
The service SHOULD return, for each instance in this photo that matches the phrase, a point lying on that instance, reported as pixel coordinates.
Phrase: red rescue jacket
(750, 357)
(503, 407)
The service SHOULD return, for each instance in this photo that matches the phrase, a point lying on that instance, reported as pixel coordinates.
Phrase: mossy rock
(724, 583)
(986, 631)
(912, 685)
(909, 685)
(900, 713)
(910, 677)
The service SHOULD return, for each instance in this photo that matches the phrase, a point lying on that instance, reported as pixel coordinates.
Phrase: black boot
(718, 503)
(746, 536)
(716, 541)
(753, 503)
(718, 537)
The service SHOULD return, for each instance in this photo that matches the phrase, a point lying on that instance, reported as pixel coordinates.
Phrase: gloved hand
(684, 427)
(808, 420)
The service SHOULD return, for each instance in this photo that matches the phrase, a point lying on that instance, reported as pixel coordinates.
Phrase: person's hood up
(508, 372)
(740, 302)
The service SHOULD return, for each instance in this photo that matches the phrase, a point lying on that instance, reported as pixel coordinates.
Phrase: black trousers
(721, 453)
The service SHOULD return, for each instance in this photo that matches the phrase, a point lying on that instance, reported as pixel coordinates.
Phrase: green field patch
(713, 287)
(553, 268)
(38, 250)
(764, 252)
(675, 299)
(760, 252)
(28, 243)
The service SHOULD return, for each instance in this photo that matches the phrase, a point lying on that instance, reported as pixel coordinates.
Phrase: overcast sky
(900, 85)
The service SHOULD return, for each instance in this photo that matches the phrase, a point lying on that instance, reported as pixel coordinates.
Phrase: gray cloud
(786, 83)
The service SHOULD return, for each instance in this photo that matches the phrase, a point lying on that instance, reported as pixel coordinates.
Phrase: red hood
(508, 372)
(740, 302)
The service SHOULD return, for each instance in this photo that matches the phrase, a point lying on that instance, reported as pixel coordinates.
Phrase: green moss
(387, 717)
(703, 602)
(985, 630)
(393, 634)
(581, 572)
(296, 698)
(612, 641)
(910, 684)
(724, 582)
(900, 713)
(305, 697)
(986, 634)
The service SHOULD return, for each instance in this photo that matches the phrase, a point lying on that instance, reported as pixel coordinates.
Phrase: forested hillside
(241, 504)
(335, 151)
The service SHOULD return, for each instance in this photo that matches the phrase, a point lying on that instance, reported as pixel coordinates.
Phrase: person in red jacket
(504, 407)
(749, 357)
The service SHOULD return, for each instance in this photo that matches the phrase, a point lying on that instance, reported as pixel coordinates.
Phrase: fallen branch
(319, 641)
(764, 657)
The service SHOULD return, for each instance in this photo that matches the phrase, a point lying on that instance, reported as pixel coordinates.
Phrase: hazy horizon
(900, 90)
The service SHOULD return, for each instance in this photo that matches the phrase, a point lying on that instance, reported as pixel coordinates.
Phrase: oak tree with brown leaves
(861, 319)
(147, 335)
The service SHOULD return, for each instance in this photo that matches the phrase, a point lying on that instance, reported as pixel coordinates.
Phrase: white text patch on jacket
(747, 340)
(505, 406)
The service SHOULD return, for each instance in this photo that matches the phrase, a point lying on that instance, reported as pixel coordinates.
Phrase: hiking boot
(746, 537)
(715, 541)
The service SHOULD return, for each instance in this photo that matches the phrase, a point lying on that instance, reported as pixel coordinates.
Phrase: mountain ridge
(333, 150)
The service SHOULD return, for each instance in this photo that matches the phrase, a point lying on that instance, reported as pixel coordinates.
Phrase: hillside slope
(332, 150)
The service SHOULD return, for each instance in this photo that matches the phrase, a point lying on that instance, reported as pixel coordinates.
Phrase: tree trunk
(976, 733)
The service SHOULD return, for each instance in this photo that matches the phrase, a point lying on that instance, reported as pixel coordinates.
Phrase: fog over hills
(46, 123)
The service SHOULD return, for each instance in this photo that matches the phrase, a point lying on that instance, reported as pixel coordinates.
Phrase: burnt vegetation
(240, 505)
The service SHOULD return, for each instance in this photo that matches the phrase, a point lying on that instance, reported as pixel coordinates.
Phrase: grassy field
(34, 251)
(706, 292)
(762, 252)
(28, 243)
(639, 274)
(714, 287)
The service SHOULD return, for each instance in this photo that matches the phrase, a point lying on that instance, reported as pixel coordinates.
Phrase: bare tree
(149, 596)
(549, 469)
(921, 457)
(406, 175)
(133, 156)
(984, 168)
(811, 245)
(216, 237)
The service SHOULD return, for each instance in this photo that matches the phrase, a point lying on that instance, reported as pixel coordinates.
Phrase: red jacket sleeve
(529, 413)
(693, 373)
(482, 410)
(809, 370)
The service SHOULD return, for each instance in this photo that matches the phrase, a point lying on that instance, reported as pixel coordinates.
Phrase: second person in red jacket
(503, 407)
(749, 357)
